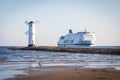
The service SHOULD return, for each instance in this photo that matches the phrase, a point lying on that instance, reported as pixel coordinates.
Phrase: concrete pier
(115, 51)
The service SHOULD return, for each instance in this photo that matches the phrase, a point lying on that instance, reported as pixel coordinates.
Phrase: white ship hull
(80, 43)
(80, 38)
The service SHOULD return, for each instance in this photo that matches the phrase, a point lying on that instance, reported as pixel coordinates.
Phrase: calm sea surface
(12, 60)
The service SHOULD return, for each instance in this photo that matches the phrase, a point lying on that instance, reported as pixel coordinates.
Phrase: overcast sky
(56, 17)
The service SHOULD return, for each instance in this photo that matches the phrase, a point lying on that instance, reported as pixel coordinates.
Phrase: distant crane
(31, 32)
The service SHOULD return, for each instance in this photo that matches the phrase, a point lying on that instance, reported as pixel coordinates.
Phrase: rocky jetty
(70, 49)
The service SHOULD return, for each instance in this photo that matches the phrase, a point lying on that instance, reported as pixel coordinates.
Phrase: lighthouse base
(30, 45)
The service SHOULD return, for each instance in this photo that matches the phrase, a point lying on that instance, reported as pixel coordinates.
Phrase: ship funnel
(70, 31)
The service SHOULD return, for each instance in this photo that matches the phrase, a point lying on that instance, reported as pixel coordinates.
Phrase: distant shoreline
(115, 51)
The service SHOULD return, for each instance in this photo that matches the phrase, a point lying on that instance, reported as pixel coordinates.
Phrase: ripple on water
(12, 60)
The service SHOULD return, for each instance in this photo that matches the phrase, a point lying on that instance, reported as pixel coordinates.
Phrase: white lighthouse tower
(31, 33)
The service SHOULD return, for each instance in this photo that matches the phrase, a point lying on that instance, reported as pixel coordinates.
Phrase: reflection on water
(9, 70)
(12, 60)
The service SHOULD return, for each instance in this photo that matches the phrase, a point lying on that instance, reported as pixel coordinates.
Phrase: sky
(56, 17)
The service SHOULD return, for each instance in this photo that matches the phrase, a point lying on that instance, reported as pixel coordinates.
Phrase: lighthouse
(31, 33)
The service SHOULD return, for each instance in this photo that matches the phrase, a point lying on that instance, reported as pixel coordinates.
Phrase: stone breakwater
(70, 49)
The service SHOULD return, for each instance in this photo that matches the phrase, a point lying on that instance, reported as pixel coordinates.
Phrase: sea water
(13, 60)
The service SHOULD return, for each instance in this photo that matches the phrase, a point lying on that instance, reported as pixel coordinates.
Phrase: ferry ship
(80, 38)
